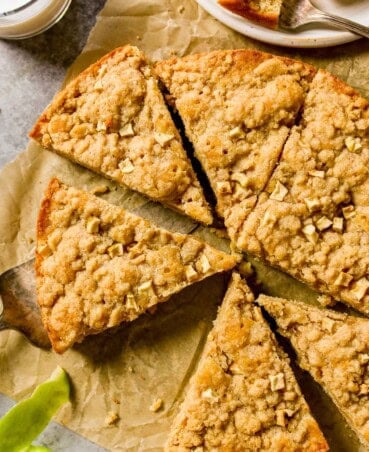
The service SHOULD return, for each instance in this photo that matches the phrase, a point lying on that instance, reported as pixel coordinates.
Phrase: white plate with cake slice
(315, 36)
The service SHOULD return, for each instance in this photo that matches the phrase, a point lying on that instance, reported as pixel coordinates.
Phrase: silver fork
(295, 13)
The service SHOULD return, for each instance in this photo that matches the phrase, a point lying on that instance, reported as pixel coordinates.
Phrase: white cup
(25, 18)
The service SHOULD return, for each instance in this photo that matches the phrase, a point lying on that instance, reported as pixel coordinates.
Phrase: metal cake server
(18, 306)
(296, 13)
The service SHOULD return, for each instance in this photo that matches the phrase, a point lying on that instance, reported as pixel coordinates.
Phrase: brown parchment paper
(123, 372)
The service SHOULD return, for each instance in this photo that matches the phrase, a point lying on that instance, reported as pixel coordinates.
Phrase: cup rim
(34, 32)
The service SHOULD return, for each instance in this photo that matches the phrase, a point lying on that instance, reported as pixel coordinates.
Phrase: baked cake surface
(243, 395)
(113, 120)
(237, 107)
(98, 265)
(334, 348)
(312, 220)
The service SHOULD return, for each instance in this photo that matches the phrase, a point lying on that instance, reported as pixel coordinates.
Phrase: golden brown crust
(334, 348)
(243, 395)
(263, 12)
(237, 107)
(113, 120)
(98, 265)
(312, 219)
(234, 63)
(59, 99)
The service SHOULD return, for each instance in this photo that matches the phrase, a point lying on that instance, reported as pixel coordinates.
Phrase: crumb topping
(334, 348)
(243, 395)
(98, 265)
(113, 120)
(319, 233)
(237, 108)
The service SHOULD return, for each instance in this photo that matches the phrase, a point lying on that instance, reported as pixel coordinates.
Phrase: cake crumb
(245, 268)
(326, 300)
(100, 189)
(156, 405)
(112, 418)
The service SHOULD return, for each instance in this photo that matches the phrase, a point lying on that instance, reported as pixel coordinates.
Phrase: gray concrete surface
(31, 71)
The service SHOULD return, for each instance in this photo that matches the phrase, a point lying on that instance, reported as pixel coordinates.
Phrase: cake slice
(243, 395)
(113, 120)
(312, 220)
(334, 348)
(262, 12)
(237, 107)
(98, 265)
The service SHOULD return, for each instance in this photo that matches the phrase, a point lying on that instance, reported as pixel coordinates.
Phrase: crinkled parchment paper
(123, 372)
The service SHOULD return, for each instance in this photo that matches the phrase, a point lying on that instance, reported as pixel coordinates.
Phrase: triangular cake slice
(262, 12)
(334, 348)
(237, 107)
(113, 120)
(312, 220)
(98, 265)
(243, 395)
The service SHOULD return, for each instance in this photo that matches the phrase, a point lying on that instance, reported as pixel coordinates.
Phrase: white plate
(319, 36)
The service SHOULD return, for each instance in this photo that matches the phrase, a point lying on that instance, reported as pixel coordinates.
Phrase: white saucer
(318, 36)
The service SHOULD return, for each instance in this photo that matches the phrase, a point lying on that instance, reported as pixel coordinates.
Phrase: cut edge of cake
(234, 148)
(264, 12)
